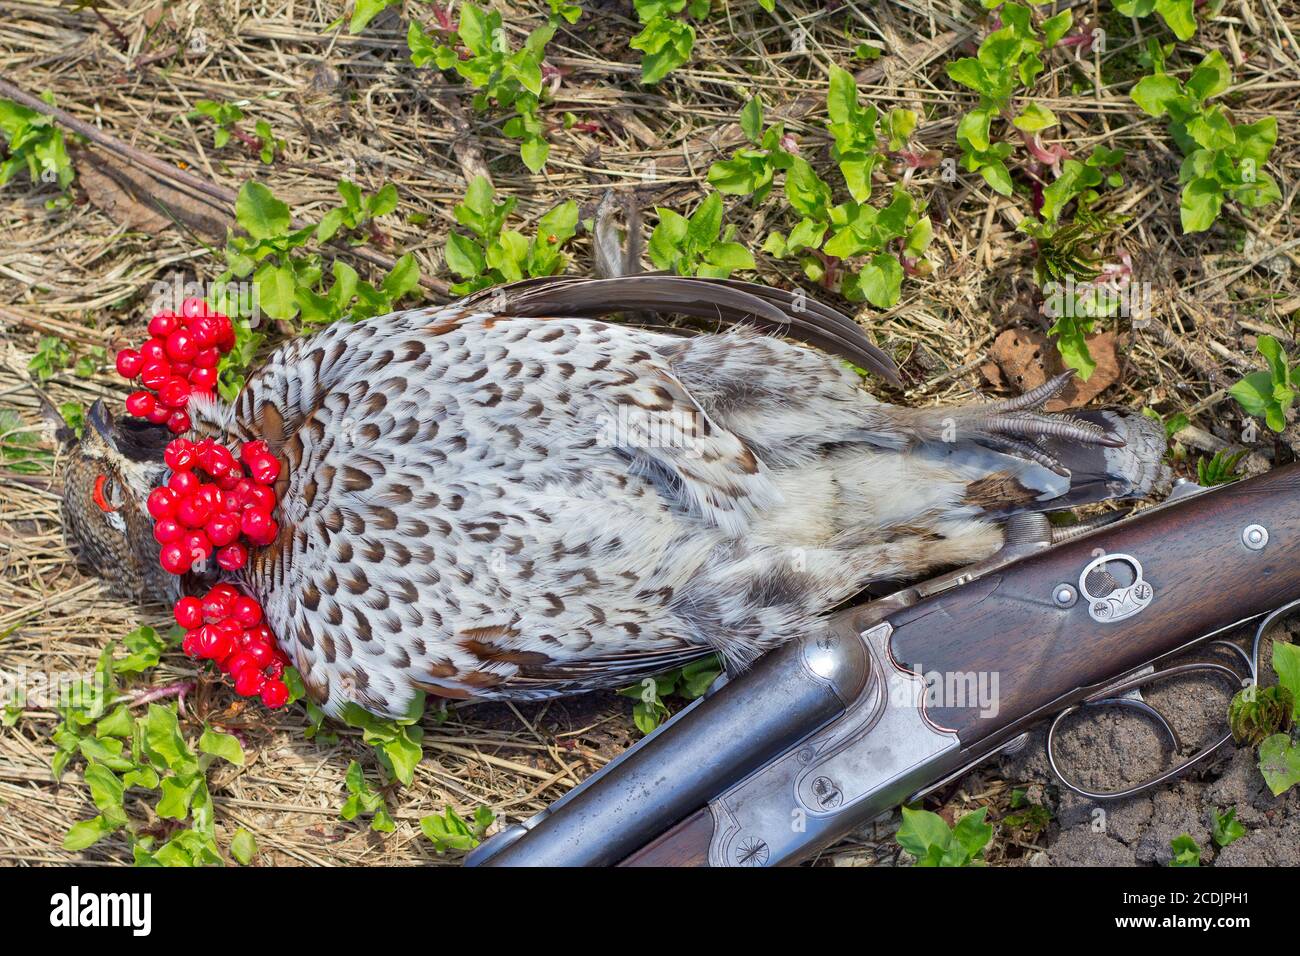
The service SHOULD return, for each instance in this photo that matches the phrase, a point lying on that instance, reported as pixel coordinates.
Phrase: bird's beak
(102, 422)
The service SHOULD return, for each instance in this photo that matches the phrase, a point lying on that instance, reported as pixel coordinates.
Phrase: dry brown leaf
(135, 199)
(1023, 359)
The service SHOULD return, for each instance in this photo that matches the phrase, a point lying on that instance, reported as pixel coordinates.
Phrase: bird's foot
(1019, 427)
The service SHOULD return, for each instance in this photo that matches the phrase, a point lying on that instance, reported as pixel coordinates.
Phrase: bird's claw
(1019, 426)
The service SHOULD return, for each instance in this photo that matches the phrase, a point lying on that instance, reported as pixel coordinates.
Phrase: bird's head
(109, 475)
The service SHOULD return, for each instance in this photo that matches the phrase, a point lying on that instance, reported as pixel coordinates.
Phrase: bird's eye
(107, 494)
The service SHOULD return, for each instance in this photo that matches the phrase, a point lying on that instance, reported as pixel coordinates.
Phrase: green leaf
(1210, 78)
(260, 214)
(534, 151)
(404, 278)
(881, 281)
(275, 286)
(1154, 93)
(1286, 664)
(751, 119)
(1279, 762)
(363, 11)
(177, 793)
(1200, 204)
(243, 846)
(1186, 851)
(1034, 118)
(1054, 28)
(667, 44)
(86, 833)
(464, 257)
(1179, 15)
(225, 746)
(1227, 829)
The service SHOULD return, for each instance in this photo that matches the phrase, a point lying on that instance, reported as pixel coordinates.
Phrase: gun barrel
(688, 761)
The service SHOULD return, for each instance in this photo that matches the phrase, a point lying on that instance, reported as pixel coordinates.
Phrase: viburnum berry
(275, 693)
(232, 557)
(161, 503)
(159, 415)
(264, 468)
(129, 363)
(193, 511)
(155, 373)
(174, 558)
(258, 526)
(178, 422)
(139, 404)
(247, 612)
(188, 612)
(154, 350)
(180, 346)
(249, 682)
(203, 379)
(163, 324)
(174, 393)
(167, 530)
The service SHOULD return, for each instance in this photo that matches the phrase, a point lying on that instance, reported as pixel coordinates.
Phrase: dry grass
(355, 106)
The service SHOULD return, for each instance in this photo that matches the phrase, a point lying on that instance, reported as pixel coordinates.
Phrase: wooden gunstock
(1203, 578)
(1204, 572)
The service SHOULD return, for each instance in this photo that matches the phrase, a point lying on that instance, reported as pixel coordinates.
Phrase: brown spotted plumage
(510, 498)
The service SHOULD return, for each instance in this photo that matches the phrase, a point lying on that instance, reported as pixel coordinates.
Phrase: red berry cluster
(226, 627)
(195, 519)
(179, 359)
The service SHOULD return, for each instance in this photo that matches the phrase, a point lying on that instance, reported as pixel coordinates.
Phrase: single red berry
(259, 498)
(264, 469)
(140, 404)
(261, 634)
(225, 332)
(274, 669)
(232, 557)
(206, 332)
(193, 511)
(174, 393)
(197, 546)
(182, 369)
(222, 529)
(174, 558)
(275, 693)
(251, 449)
(207, 358)
(154, 350)
(179, 454)
(249, 682)
(155, 372)
(259, 526)
(161, 503)
(178, 422)
(181, 346)
(247, 611)
(159, 415)
(237, 662)
(190, 645)
(167, 530)
(184, 483)
(129, 363)
(188, 612)
(227, 483)
(260, 652)
(216, 606)
(204, 379)
(163, 324)
(193, 308)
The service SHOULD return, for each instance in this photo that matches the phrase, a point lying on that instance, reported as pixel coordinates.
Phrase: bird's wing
(728, 301)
